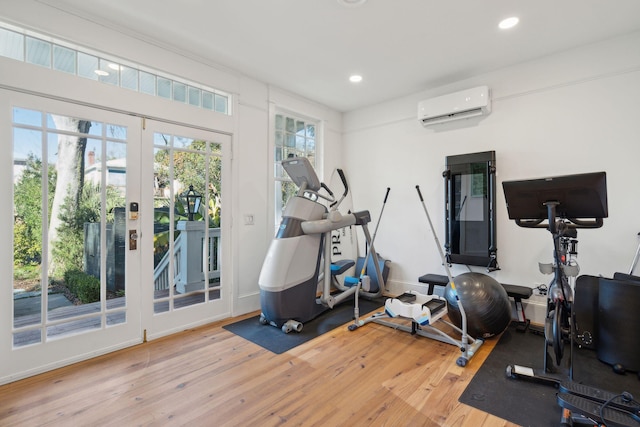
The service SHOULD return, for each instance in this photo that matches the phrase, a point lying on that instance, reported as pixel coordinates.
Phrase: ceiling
(311, 47)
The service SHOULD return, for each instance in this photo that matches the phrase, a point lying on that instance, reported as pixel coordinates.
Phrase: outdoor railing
(161, 277)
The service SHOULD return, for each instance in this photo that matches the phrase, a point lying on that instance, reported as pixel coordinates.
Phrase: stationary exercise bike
(566, 203)
(559, 325)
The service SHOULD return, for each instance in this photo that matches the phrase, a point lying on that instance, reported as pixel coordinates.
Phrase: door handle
(133, 240)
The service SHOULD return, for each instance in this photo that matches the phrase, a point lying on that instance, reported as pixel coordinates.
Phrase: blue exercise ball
(485, 301)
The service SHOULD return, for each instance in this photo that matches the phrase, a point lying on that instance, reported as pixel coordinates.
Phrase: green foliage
(289, 189)
(68, 251)
(26, 249)
(192, 168)
(85, 287)
(27, 226)
(26, 272)
(189, 168)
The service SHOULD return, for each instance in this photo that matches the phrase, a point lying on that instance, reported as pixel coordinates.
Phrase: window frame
(277, 174)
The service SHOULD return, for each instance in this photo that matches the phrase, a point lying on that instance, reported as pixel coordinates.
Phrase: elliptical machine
(299, 258)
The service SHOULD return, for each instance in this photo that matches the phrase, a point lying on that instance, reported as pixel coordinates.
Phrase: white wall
(575, 112)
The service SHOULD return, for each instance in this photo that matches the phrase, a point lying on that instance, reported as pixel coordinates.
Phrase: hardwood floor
(374, 376)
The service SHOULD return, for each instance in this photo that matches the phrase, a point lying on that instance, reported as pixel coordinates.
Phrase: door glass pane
(28, 276)
(116, 224)
(109, 72)
(194, 96)
(207, 100)
(164, 88)
(69, 227)
(64, 59)
(214, 198)
(147, 83)
(129, 78)
(187, 182)
(179, 92)
(222, 104)
(87, 66)
(11, 44)
(38, 52)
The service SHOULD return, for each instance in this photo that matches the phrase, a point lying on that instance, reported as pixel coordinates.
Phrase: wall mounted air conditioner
(455, 106)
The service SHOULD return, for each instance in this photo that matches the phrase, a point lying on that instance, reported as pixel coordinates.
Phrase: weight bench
(518, 293)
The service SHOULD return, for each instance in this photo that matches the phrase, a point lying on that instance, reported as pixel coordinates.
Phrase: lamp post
(190, 276)
(193, 199)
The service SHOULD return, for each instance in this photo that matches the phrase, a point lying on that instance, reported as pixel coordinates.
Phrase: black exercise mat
(531, 404)
(276, 341)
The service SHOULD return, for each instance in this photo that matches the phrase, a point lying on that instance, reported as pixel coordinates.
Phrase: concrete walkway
(28, 303)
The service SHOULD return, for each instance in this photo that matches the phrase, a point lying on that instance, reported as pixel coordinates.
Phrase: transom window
(57, 55)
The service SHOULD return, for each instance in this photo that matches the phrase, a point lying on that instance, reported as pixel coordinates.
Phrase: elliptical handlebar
(437, 241)
(323, 185)
(463, 315)
(305, 192)
(335, 204)
(344, 182)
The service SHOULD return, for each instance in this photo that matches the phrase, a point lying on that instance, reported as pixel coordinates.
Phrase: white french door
(105, 250)
(184, 262)
(71, 289)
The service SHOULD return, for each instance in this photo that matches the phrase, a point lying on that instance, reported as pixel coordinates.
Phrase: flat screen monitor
(579, 196)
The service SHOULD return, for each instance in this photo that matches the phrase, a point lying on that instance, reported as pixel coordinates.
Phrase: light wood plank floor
(374, 376)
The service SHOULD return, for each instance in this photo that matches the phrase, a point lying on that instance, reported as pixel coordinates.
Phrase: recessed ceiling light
(355, 78)
(101, 72)
(508, 23)
(113, 66)
(351, 3)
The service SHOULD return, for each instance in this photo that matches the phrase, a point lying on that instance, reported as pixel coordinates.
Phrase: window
(52, 54)
(294, 137)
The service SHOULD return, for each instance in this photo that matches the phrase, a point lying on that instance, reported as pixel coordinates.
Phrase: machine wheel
(462, 361)
(353, 327)
(618, 369)
(548, 327)
(263, 320)
(509, 372)
(558, 341)
(291, 325)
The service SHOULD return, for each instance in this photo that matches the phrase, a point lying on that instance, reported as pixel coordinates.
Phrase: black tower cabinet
(470, 192)
(618, 317)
